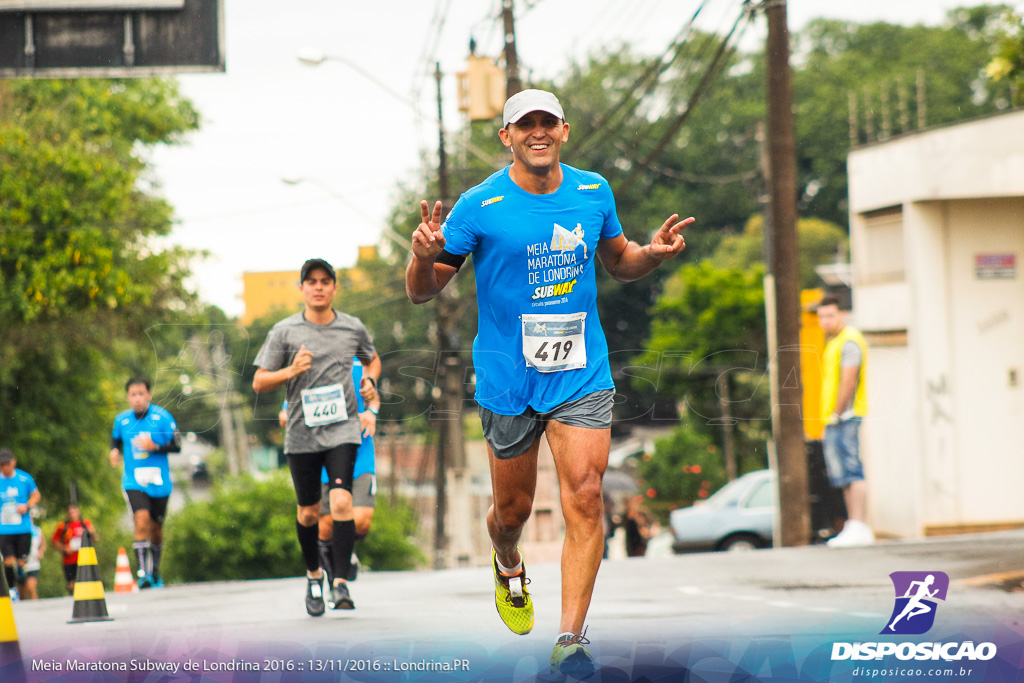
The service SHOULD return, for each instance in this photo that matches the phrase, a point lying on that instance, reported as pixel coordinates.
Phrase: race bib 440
(324, 405)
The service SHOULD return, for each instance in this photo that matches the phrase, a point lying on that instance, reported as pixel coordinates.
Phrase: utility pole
(233, 450)
(789, 439)
(512, 82)
(728, 425)
(451, 451)
(441, 318)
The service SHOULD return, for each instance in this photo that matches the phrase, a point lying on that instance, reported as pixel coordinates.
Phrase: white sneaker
(854, 534)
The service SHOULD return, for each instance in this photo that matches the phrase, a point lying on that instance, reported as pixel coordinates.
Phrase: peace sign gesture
(427, 240)
(667, 241)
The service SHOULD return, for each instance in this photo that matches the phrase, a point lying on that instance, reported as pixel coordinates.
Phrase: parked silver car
(738, 516)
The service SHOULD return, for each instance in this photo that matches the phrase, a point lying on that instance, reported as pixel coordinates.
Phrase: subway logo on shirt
(558, 289)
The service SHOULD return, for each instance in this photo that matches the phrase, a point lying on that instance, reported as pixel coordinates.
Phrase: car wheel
(740, 542)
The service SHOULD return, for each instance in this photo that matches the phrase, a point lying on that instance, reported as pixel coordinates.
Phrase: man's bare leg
(581, 456)
(513, 484)
(856, 498)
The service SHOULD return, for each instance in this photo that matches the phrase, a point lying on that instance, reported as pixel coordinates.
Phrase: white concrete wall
(953, 453)
(983, 158)
(987, 345)
(931, 352)
(891, 451)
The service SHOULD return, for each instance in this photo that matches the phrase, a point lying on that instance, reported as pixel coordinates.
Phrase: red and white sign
(995, 266)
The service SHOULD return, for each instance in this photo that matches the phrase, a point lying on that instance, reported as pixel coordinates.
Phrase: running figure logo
(916, 593)
(568, 240)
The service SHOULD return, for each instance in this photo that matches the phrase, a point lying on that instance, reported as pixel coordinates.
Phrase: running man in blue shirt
(540, 355)
(142, 437)
(18, 493)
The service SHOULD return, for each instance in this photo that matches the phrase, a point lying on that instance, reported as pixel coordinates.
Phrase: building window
(884, 259)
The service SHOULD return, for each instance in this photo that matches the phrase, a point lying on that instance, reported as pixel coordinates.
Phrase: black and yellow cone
(11, 666)
(90, 603)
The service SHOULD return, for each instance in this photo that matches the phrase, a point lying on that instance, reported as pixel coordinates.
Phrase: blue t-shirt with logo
(14, 491)
(145, 471)
(536, 288)
(365, 452)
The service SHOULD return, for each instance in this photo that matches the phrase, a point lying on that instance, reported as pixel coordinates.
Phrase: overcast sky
(352, 129)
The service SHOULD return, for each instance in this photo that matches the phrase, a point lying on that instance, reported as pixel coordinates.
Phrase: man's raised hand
(668, 241)
(428, 240)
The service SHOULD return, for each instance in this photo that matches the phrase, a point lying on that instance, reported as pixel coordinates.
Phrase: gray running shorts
(512, 435)
(364, 491)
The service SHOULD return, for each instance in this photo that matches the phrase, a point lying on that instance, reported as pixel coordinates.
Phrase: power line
(742, 176)
(698, 92)
(656, 68)
(426, 61)
(466, 144)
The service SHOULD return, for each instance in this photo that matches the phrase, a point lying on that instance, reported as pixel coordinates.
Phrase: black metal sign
(109, 38)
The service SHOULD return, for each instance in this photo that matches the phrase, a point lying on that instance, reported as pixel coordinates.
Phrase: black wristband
(371, 381)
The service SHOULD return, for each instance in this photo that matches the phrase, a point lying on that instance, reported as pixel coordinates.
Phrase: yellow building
(263, 292)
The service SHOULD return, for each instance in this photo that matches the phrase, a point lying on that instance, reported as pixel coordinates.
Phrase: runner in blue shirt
(142, 438)
(541, 359)
(18, 493)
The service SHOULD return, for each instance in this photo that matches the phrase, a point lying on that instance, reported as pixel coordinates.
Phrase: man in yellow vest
(844, 403)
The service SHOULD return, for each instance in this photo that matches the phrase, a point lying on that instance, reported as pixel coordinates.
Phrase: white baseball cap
(525, 101)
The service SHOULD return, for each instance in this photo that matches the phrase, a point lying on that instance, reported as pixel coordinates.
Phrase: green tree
(81, 274)
(709, 327)
(246, 530)
(820, 242)
(684, 468)
(390, 545)
(877, 62)
(1008, 62)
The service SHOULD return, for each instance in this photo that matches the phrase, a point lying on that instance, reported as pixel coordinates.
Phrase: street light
(385, 229)
(314, 58)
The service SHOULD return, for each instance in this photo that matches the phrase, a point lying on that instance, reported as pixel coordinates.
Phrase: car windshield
(727, 495)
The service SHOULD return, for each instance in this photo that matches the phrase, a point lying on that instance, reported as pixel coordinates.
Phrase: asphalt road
(798, 599)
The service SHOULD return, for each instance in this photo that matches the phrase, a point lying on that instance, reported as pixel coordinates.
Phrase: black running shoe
(315, 597)
(340, 597)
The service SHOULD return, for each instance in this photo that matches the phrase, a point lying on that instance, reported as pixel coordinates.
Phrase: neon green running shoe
(515, 606)
(570, 658)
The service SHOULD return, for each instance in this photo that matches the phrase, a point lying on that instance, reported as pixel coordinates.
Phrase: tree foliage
(1008, 63)
(81, 275)
(685, 467)
(879, 64)
(820, 242)
(246, 530)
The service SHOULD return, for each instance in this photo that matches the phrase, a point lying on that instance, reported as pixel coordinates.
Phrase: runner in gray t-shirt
(311, 354)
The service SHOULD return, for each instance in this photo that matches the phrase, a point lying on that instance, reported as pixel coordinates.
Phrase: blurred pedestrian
(310, 353)
(18, 493)
(67, 538)
(142, 438)
(844, 403)
(639, 526)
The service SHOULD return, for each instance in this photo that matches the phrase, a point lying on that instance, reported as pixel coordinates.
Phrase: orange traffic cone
(11, 665)
(123, 581)
(90, 602)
